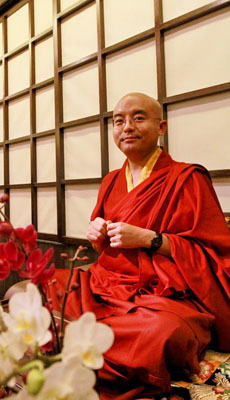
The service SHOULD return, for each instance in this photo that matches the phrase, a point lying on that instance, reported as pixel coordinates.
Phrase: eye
(118, 121)
(139, 118)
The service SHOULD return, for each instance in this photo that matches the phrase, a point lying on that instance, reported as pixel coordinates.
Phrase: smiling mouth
(129, 138)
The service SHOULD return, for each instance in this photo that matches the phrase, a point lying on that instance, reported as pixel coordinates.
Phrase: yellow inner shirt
(145, 172)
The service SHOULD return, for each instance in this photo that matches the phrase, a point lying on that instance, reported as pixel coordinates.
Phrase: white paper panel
(198, 131)
(132, 70)
(44, 60)
(18, 72)
(126, 18)
(20, 207)
(116, 157)
(172, 9)
(45, 118)
(18, 27)
(223, 193)
(191, 62)
(43, 15)
(47, 210)
(82, 152)
(19, 160)
(1, 166)
(81, 93)
(46, 160)
(78, 40)
(80, 202)
(67, 3)
(1, 81)
(19, 126)
(1, 49)
(1, 125)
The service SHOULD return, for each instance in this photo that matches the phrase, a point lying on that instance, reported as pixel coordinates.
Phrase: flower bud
(35, 380)
(5, 229)
(64, 255)
(4, 198)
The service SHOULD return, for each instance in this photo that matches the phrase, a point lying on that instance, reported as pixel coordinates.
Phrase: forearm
(124, 235)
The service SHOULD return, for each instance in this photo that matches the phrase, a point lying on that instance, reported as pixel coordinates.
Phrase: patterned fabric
(212, 383)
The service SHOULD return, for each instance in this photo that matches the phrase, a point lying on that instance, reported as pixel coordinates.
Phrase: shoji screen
(63, 66)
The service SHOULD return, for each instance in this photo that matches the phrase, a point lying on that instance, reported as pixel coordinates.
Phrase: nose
(129, 125)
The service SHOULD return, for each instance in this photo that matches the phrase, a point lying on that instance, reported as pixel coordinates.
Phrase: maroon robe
(161, 309)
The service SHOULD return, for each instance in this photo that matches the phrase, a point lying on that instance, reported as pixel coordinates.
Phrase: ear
(162, 127)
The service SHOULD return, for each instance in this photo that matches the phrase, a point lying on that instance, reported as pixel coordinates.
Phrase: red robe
(161, 309)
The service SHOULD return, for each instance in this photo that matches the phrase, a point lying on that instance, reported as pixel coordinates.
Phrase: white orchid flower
(86, 339)
(1, 319)
(12, 349)
(68, 380)
(28, 318)
(11, 346)
(7, 366)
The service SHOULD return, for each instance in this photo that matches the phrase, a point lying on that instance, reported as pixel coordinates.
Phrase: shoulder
(179, 168)
(109, 178)
(187, 169)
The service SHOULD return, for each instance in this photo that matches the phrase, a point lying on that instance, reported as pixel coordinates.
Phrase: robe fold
(164, 311)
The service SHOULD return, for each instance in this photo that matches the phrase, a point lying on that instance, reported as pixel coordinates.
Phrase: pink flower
(10, 253)
(4, 198)
(27, 236)
(5, 229)
(36, 267)
(4, 269)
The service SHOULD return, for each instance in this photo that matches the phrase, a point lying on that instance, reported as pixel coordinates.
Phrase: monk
(162, 278)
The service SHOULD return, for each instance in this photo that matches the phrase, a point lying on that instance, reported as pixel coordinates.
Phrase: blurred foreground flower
(65, 372)
(27, 317)
(86, 339)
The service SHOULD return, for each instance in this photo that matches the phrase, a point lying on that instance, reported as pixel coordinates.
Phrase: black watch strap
(156, 242)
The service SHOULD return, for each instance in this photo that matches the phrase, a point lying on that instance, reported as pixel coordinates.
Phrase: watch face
(156, 242)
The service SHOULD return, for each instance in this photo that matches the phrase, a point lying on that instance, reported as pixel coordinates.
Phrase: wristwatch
(156, 242)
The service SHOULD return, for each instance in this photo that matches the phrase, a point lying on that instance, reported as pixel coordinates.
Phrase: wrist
(154, 241)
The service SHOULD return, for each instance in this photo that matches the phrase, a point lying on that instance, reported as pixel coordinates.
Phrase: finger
(116, 244)
(113, 225)
(92, 231)
(97, 227)
(100, 222)
(91, 238)
(113, 232)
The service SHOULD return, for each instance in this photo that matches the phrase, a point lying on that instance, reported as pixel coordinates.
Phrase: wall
(63, 67)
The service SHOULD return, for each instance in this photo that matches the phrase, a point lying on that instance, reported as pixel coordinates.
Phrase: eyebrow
(138, 111)
(117, 115)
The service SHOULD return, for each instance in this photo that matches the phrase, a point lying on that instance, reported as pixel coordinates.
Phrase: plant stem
(34, 363)
(49, 359)
(61, 332)
(52, 319)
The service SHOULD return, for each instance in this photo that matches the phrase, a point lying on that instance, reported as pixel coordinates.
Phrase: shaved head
(137, 125)
(153, 103)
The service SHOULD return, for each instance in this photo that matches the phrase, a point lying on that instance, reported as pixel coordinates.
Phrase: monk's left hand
(124, 235)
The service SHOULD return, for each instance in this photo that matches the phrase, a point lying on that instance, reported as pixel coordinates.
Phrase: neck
(136, 163)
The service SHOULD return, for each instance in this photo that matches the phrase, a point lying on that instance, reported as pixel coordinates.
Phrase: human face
(137, 126)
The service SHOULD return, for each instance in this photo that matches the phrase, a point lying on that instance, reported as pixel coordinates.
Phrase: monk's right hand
(97, 232)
